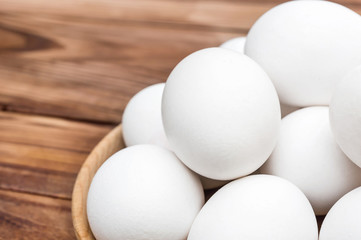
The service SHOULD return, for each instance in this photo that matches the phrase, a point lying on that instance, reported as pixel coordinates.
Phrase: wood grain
(25, 216)
(43, 155)
(209, 14)
(97, 69)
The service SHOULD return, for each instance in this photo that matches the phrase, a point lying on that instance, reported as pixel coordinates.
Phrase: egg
(142, 124)
(306, 47)
(345, 115)
(218, 108)
(142, 118)
(235, 44)
(256, 207)
(308, 155)
(143, 192)
(344, 219)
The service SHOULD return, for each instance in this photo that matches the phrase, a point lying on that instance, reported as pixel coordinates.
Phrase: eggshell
(306, 47)
(218, 108)
(256, 207)
(143, 192)
(345, 115)
(307, 155)
(142, 124)
(343, 222)
(142, 118)
(235, 44)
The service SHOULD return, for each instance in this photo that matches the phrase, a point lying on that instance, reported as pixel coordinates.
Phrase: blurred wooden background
(67, 70)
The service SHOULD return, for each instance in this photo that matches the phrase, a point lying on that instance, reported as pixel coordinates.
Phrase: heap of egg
(217, 119)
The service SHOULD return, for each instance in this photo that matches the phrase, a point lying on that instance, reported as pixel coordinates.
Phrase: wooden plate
(110, 144)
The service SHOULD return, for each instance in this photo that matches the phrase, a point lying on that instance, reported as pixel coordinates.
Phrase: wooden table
(67, 70)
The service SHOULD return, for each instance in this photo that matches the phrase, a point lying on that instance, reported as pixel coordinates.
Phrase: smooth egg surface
(256, 207)
(142, 118)
(306, 47)
(143, 192)
(308, 155)
(345, 115)
(235, 44)
(221, 113)
(344, 219)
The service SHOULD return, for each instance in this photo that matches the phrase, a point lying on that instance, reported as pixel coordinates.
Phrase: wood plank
(222, 14)
(96, 69)
(43, 155)
(86, 64)
(25, 216)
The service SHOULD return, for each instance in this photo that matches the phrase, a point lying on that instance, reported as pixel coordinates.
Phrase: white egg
(257, 207)
(343, 222)
(307, 155)
(142, 124)
(142, 118)
(235, 44)
(221, 113)
(306, 47)
(345, 115)
(143, 192)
